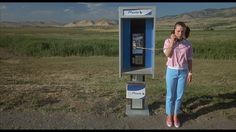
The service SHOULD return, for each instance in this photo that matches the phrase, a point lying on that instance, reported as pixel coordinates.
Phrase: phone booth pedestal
(136, 94)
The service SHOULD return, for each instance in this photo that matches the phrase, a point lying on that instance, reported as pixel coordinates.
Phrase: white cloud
(68, 10)
(42, 12)
(3, 7)
(100, 13)
(22, 7)
(92, 6)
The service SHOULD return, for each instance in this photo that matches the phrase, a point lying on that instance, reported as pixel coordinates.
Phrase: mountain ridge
(213, 18)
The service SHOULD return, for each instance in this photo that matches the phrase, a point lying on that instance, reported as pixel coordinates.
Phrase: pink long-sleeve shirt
(182, 52)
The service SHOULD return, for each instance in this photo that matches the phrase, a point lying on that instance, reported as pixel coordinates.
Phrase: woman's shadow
(197, 106)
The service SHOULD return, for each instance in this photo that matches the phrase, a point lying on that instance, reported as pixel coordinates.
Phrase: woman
(178, 51)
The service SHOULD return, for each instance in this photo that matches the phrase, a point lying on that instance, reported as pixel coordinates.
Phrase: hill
(208, 18)
(203, 19)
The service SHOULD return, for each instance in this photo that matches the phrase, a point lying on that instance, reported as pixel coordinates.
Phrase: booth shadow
(155, 105)
(206, 106)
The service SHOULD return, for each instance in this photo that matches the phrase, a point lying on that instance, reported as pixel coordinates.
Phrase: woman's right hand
(173, 39)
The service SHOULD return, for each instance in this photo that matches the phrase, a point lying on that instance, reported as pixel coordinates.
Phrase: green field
(35, 75)
(92, 84)
(216, 44)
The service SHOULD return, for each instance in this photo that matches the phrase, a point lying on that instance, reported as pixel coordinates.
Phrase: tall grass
(51, 44)
(218, 44)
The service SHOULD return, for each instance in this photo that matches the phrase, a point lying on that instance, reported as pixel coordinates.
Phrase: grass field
(216, 44)
(36, 75)
(91, 84)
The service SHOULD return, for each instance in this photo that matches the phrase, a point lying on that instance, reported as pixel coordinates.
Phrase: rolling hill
(203, 19)
(208, 18)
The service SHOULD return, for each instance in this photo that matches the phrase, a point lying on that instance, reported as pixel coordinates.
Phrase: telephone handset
(175, 39)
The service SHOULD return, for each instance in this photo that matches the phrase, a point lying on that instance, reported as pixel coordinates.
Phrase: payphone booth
(136, 35)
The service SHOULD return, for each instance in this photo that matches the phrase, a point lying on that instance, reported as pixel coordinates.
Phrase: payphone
(136, 32)
(137, 40)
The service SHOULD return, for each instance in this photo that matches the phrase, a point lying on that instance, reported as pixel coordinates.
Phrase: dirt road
(220, 119)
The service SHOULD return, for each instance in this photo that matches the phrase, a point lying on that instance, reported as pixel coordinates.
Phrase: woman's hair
(182, 24)
(187, 32)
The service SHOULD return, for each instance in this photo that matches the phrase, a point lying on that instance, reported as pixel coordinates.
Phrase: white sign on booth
(137, 12)
(135, 91)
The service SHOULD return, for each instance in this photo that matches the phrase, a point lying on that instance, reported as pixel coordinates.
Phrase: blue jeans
(175, 85)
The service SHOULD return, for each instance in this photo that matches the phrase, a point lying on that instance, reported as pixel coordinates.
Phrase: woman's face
(179, 31)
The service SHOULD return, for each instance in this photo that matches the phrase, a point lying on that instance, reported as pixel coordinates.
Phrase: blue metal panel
(126, 43)
(135, 87)
(149, 43)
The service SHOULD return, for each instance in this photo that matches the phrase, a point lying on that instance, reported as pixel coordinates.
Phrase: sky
(68, 12)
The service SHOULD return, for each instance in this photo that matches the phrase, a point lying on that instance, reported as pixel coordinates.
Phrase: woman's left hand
(190, 77)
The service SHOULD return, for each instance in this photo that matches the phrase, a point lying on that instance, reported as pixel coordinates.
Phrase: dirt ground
(220, 119)
(219, 116)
